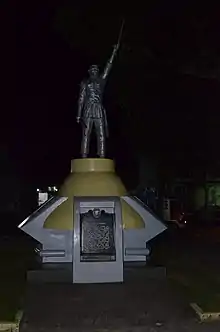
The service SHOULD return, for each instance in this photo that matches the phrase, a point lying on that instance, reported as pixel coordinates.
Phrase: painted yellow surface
(91, 177)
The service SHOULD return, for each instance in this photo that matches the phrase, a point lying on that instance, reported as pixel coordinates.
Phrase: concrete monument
(92, 229)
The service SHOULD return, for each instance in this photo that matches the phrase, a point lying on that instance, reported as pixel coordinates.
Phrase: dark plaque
(97, 236)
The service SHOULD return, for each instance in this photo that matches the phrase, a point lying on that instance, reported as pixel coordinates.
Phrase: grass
(14, 259)
(193, 272)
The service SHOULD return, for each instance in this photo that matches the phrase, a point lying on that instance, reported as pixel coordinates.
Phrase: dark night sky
(55, 44)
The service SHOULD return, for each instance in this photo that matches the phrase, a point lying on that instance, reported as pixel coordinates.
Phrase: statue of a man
(90, 107)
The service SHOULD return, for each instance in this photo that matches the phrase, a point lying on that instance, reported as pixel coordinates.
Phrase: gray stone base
(63, 274)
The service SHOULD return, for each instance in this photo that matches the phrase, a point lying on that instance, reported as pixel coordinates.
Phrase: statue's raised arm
(110, 61)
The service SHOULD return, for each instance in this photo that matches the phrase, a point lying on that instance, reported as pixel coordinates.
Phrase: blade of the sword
(121, 30)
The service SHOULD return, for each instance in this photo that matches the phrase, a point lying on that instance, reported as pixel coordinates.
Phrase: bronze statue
(90, 106)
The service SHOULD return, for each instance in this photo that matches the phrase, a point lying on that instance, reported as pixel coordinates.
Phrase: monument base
(92, 229)
(91, 177)
(57, 274)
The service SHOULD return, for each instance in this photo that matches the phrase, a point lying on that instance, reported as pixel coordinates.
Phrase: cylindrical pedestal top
(92, 165)
(91, 177)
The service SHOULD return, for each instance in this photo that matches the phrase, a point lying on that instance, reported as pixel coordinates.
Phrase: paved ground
(152, 305)
(140, 304)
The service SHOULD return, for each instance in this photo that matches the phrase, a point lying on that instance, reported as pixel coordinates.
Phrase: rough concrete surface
(150, 305)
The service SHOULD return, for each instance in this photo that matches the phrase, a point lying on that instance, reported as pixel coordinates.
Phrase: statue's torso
(93, 99)
(94, 90)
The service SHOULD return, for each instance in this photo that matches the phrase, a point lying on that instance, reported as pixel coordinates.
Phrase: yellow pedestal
(91, 177)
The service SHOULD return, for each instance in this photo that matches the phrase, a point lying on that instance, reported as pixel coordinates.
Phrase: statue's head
(94, 71)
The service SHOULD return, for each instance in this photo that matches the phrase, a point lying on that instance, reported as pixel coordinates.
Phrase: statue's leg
(87, 128)
(100, 134)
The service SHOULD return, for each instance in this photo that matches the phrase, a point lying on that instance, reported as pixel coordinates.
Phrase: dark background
(162, 97)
